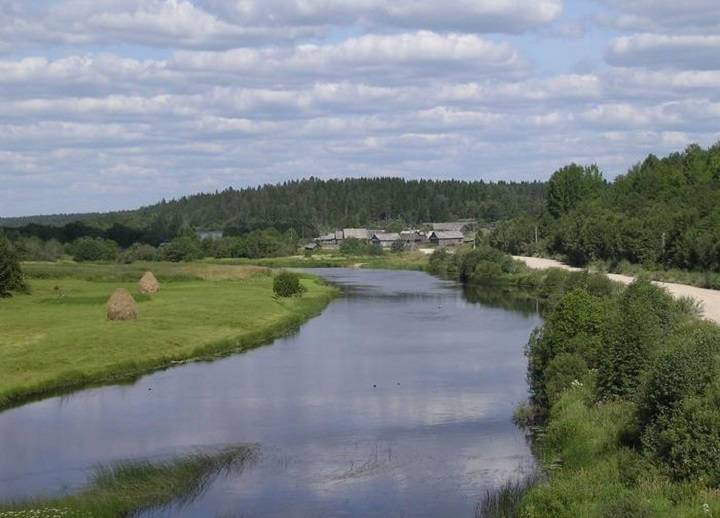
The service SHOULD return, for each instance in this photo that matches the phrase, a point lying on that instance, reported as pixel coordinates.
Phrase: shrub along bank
(626, 386)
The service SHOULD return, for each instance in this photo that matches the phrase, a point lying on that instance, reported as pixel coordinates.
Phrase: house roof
(447, 226)
(326, 237)
(386, 236)
(450, 234)
(356, 233)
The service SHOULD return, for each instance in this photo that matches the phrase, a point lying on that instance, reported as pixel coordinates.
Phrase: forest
(664, 213)
(308, 206)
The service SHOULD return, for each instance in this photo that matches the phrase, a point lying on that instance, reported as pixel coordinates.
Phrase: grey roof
(357, 233)
(326, 237)
(450, 234)
(448, 226)
(386, 236)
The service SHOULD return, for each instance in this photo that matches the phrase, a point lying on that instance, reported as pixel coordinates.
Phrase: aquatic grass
(504, 502)
(53, 347)
(126, 488)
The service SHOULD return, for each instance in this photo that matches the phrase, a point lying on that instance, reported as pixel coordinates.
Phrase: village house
(446, 238)
(356, 233)
(212, 235)
(384, 239)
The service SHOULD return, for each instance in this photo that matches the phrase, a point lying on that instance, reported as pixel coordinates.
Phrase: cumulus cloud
(137, 100)
(695, 52)
(216, 25)
(702, 16)
(496, 16)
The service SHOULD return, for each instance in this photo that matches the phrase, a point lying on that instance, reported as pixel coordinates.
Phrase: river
(395, 401)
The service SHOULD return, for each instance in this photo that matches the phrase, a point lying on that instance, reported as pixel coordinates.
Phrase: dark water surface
(396, 401)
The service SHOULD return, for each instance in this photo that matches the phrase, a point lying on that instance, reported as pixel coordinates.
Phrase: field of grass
(57, 338)
(127, 488)
(334, 259)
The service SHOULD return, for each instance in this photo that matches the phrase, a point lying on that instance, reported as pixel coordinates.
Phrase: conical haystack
(121, 306)
(148, 283)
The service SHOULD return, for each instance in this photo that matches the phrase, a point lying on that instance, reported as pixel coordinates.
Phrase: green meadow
(57, 338)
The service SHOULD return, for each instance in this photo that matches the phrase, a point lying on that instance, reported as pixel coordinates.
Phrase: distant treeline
(308, 206)
(662, 213)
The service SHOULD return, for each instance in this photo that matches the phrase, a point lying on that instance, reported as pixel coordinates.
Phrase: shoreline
(130, 371)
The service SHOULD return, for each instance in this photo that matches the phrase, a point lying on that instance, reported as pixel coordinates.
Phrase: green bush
(184, 248)
(287, 284)
(684, 369)
(689, 445)
(93, 249)
(574, 326)
(139, 252)
(561, 372)
(11, 277)
(645, 317)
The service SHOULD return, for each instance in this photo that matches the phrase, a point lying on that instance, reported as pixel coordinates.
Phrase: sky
(115, 104)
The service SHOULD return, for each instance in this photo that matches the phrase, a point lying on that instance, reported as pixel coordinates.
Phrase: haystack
(121, 306)
(148, 283)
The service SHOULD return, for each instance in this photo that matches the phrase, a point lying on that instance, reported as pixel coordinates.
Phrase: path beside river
(710, 299)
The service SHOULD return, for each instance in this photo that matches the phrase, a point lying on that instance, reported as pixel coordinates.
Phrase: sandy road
(710, 299)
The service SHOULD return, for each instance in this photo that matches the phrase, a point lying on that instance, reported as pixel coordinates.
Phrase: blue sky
(115, 104)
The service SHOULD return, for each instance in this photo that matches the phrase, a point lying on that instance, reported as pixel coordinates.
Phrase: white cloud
(702, 16)
(694, 52)
(222, 24)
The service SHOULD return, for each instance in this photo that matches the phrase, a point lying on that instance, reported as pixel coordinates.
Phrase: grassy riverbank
(411, 260)
(625, 392)
(57, 338)
(127, 488)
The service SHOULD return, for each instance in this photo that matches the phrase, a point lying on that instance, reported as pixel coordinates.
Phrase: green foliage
(644, 318)
(11, 277)
(287, 284)
(571, 185)
(93, 249)
(398, 246)
(562, 371)
(354, 246)
(662, 214)
(184, 248)
(128, 488)
(573, 328)
(139, 252)
(35, 249)
(689, 443)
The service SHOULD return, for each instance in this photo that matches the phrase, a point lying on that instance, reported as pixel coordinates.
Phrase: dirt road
(710, 299)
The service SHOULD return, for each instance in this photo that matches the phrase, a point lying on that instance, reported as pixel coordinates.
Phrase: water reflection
(396, 401)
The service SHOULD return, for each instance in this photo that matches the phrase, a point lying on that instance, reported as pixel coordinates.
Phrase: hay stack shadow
(148, 284)
(121, 306)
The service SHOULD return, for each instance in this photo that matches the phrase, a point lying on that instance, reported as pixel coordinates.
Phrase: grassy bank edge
(128, 487)
(131, 371)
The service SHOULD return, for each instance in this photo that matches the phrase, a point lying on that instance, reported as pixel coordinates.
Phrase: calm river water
(396, 401)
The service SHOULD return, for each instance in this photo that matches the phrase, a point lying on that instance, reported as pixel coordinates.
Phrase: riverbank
(624, 390)
(409, 260)
(57, 338)
(709, 299)
(127, 488)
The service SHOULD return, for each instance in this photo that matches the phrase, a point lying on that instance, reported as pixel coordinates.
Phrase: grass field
(57, 338)
(413, 260)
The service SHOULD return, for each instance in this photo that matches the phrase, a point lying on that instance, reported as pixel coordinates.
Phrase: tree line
(664, 213)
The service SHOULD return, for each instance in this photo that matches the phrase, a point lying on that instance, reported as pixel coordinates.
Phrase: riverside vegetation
(625, 396)
(127, 488)
(57, 337)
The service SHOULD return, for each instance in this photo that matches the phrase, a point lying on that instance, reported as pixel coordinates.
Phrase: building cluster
(452, 233)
